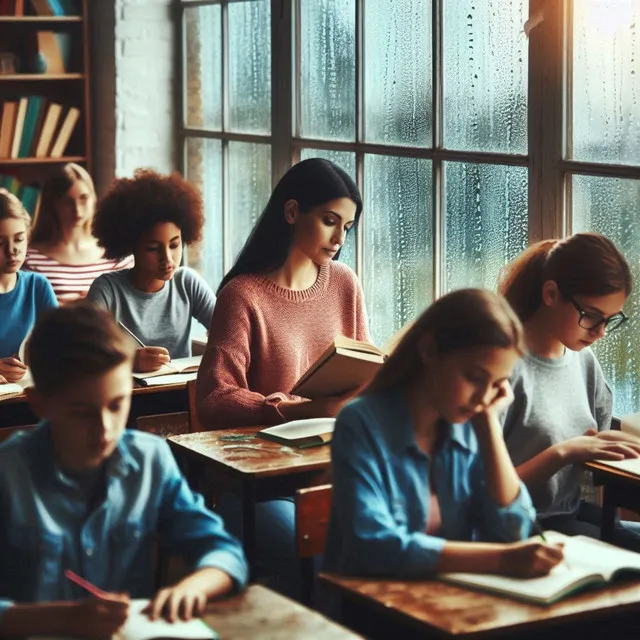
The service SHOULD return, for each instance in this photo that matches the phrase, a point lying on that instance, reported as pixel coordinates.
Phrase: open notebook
(178, 366)
(628, 424)
(139, 627)
(13, 389)
(587, 562)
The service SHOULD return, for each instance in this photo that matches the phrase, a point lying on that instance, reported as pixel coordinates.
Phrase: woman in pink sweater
(283, 303)
(278, 309)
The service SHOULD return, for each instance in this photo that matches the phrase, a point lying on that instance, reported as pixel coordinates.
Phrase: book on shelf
(45, 139)
(34, 107)
(7, 125)
(587, 563)
(311, 432)
(177, 366)
(51, 52)
(64, 135)
(28, 194)
(12, 8)
(346, 364)
(55, 8)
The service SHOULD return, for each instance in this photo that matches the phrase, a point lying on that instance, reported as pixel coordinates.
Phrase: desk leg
(608, 515)
(249, 525)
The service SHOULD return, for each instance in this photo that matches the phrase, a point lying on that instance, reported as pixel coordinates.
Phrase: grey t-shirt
(555, 400)
(160, 319)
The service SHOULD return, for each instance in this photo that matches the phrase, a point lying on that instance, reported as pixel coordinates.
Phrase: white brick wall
(134, 84)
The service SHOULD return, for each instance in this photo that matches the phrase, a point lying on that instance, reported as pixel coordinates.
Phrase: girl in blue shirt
(23, 296)
(422, 478)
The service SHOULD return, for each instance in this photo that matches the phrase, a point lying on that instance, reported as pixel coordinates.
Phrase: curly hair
(134, 205)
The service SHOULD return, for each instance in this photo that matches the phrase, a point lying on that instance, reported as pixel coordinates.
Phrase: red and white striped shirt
(71, 281)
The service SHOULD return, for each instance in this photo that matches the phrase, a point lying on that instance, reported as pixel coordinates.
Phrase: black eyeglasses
(592, 321)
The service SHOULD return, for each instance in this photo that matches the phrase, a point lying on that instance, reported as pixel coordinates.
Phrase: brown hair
(11, 207)
(587, 264)
(460, 320)
(46, 227)
(136, 204)
(75, 341)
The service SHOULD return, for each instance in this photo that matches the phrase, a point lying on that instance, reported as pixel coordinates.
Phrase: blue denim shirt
(381, 489)
(45, 526)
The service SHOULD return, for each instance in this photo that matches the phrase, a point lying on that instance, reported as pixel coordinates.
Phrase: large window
(467, 138)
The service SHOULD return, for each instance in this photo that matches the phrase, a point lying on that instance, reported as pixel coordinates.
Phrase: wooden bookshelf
(69, 89)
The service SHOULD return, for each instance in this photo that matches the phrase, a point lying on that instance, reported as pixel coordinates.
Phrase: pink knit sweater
(263, 337)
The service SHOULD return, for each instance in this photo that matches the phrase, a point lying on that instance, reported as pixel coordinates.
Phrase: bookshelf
(68, 87)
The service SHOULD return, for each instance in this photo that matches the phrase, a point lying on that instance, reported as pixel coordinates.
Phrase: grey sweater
(556, 400)
(160, 319)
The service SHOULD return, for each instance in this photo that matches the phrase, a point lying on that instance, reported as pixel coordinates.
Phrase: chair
(194, 423)
(312, 511)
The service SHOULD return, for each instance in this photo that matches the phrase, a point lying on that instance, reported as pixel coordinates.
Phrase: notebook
(179, 365)
(628, 424)
(139, 627)
(301, 433)
(587, 563)
(345, 365)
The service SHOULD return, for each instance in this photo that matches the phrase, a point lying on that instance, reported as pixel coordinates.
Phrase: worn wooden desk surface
(605, 472)
(262, 614)
(253, 457)
(433, 606)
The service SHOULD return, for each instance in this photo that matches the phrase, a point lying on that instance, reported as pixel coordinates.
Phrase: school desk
(431, 608)
(620, 489)
(257, 469)
(167, 398)
(262, 614)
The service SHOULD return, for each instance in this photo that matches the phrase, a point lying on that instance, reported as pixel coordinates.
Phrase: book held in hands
(345, 365)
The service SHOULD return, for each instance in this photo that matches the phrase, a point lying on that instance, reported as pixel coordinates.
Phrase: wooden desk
(257, 468)
(620, 489)
(262, 614)
(166, 398)
(433, 607)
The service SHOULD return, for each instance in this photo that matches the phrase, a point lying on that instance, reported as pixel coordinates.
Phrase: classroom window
(468, 138)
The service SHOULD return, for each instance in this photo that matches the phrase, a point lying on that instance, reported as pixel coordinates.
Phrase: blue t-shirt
(20, 307)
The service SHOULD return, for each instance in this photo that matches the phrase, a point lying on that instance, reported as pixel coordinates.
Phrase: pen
(537, 529)
(133, 335)
(85, 584)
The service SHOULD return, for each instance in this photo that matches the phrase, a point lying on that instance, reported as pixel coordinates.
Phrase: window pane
(485, 75)
(397, 72)
(610, 206)
(486, 222)
(327, 69)
(347, 161)
(249, 183)
(250, 66)
(606, 81)
(204, 170)
(203, 67)
(398, 238)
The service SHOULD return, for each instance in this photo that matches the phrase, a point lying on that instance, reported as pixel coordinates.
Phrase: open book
(139, 627)
(587, 562)
(179, 365)
(13, 389)
(345, 365)
(629, 424)
(301, 433)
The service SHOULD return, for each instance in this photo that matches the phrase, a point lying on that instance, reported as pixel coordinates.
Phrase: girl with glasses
(568, 294)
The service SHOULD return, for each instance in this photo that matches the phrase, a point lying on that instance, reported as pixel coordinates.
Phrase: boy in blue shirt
(80, 493)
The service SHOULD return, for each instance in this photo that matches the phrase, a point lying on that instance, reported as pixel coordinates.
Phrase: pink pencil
(92, 589)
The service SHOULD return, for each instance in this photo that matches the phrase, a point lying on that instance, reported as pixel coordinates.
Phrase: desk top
(242, 452)
(262, 614)
(462, 613)
(137, 391)
(605, 471)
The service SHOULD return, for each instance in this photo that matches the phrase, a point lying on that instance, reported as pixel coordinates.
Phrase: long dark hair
(310, 183)
(460, 320)
(587, 264)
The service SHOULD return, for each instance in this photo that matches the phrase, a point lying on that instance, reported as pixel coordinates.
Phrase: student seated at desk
(281, 305)
(62, 246)
(23, 296)
(568, 294)
(79, 492)
(152, 216)
(422, 481)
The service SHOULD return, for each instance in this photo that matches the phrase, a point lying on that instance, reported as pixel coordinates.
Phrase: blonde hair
(11, 207)
(460, 320)
(46, 227)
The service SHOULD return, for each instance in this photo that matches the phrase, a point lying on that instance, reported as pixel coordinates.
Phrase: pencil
(538, 530)
(85, 584)
(133, 335)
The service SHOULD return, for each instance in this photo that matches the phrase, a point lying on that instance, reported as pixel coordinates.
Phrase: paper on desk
(139, 627)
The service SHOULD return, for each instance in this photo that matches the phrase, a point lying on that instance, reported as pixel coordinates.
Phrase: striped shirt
(71, 281)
